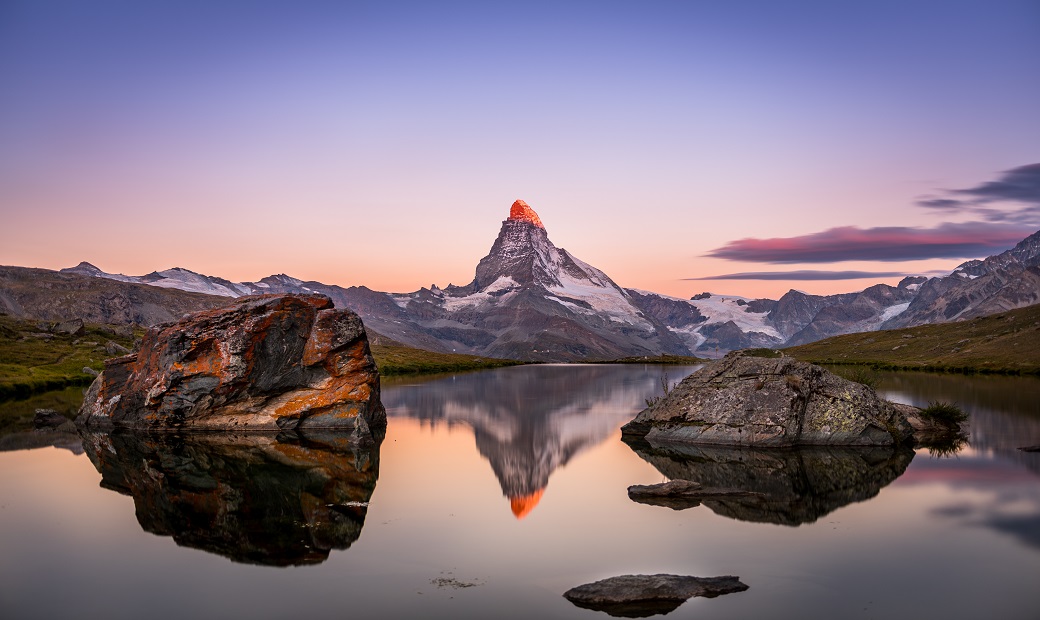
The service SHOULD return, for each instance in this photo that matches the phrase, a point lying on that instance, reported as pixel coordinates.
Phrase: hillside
(1008, 342)
(36, 356)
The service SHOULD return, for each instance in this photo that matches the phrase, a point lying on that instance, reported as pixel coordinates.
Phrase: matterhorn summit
(522, 212)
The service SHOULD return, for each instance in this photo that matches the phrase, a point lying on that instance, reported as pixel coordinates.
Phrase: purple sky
(382, 143)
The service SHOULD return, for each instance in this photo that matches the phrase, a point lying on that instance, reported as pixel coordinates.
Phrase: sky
(743, 147)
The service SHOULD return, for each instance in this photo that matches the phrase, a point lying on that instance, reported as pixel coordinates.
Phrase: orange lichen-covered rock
(263, 362)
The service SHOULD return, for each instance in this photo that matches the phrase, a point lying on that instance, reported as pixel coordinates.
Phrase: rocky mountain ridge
(531, 300)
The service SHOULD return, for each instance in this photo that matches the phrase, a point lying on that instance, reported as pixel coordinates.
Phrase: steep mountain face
(976, 288)
(532, 300)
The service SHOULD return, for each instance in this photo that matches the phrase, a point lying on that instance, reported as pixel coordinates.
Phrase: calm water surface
(493, 493)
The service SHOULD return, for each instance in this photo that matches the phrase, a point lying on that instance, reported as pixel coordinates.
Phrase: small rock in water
(50, 419)
(681, 494)
(639, 596)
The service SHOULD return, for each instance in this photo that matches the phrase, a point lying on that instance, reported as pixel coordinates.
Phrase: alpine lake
(495, 492)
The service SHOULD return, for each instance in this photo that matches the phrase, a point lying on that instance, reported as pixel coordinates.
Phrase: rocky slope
(47, 295)
(977, 288)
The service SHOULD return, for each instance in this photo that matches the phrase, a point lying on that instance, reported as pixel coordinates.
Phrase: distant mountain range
(532, 300)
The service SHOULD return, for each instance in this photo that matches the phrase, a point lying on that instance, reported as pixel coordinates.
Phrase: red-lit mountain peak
(522, 212)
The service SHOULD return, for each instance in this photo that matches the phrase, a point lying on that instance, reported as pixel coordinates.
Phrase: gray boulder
(73, 327)
(638, 596)
(742, 400)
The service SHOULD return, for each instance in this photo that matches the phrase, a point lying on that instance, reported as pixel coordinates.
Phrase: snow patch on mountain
(895, 310)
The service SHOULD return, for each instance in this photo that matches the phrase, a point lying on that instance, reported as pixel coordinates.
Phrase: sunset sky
(823, 146)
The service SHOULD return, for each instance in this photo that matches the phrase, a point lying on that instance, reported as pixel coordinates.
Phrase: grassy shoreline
(1007, 343)
(37, 358)
(393, 360)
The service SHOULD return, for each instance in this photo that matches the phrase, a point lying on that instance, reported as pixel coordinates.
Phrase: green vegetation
(17, 415)
(672, 360)
(1005, 343)
(401, 360)
(767, 353)
(859, 374)
(947, 414)
(34, 359)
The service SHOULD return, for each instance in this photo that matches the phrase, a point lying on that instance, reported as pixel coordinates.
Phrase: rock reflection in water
(784, 486)
(530, 420)
(278, 500)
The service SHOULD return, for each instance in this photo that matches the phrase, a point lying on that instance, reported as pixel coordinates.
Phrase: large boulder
(276, 362)
(743, 400)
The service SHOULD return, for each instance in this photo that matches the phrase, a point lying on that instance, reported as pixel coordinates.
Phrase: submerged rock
(682, 494)
(776, 402)
(639, 596)
(273, 362)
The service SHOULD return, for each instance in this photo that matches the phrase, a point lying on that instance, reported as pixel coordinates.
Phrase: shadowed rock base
(639, 596)
(768, 485)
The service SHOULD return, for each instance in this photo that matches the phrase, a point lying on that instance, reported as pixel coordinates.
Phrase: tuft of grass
(402, 360)
(666, 387)
(946, 447)
(941, 412)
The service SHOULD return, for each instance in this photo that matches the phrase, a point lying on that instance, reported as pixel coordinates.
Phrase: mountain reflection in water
(790, 486)
(530, 420)
(258, 498)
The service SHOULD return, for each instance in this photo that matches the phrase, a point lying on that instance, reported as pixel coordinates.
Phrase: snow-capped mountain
(530, 299)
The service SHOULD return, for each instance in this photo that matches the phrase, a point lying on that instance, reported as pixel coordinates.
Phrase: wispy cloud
(887, 244)
(803, 274)
(1013, 197)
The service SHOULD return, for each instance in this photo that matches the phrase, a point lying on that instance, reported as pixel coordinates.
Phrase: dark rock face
(254, 498)
(976, 288)
(785, 487)
(639, 596)
(776, 402)
(264, 362)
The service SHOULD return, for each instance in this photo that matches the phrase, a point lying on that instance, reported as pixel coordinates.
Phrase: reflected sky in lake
(949, 537)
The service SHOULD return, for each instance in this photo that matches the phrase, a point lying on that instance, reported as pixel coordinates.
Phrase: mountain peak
(522, 212)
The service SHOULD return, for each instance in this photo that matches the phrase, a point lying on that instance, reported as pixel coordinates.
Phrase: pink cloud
(889, 243)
